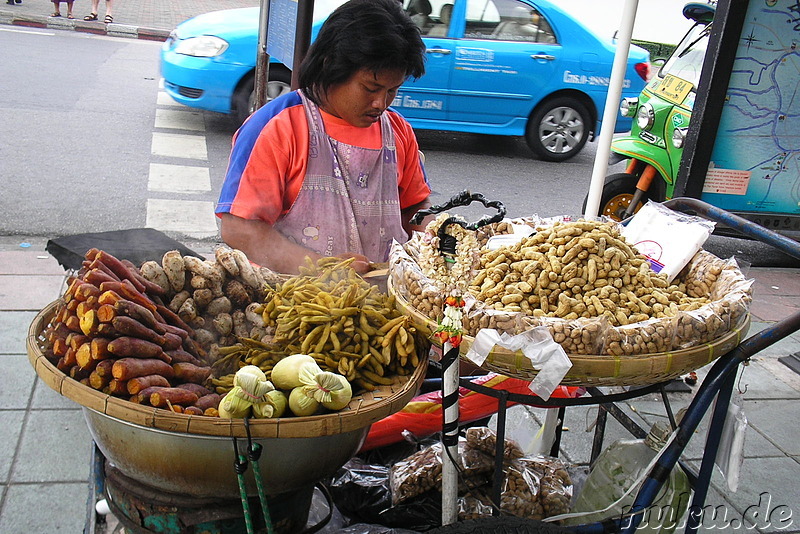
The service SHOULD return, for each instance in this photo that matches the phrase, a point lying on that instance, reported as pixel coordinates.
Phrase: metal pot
(203, 466)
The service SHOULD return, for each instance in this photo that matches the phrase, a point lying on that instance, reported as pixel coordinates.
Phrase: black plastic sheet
(136, 245)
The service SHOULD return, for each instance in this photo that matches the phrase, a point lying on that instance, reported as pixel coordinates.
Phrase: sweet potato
(70, 357)
(127, 368)
(140, 313)
(208, 401)
(119, 269)
(98, 277)
(143, 397)
(132, 347)
(60, 346)
(189, 372)
(197, 389)
(84, 290)
(181, 356)
(83, 356)
(98, 381)
(76, 373)
(175, 396)
(173, 318)
(75, 340)
(135, 385)
(117, 387)
(128, 326)
(104, 368)
(99, 348)
(192, 410)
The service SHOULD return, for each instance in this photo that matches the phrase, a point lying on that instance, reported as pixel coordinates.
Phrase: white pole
(612, 107)
(450, 383)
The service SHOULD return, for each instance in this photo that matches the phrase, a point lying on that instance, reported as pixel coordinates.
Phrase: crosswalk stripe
(179, 146)
(168, 178)
(163, 99)
(192, 218)
(180, 120)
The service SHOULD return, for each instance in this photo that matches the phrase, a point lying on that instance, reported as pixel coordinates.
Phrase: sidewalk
(142, 19)
(45, 470)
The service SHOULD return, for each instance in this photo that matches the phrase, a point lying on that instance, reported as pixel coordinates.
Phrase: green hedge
(657, 50)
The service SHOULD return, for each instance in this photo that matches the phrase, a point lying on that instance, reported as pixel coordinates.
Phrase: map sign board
(755, 163)
(281, 31)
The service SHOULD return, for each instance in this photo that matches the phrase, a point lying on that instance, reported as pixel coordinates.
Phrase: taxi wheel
(617, 195)
(558, 129)
(244, 100)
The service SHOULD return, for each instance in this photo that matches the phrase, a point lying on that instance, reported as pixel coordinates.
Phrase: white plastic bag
(731, 446)
(667, 238)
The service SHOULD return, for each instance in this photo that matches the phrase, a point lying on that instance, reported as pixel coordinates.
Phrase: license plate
(673, 89)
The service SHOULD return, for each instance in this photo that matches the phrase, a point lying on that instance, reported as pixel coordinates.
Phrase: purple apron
(349, 200)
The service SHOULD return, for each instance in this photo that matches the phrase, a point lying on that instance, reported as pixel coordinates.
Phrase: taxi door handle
(548, 57)
(444, 51)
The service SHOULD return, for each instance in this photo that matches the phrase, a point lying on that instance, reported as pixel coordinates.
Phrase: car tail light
(643, 70)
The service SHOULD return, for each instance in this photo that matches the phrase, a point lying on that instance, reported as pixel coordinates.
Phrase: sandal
(70, 17)
(55, 15)
(109, 19)
(93, 16)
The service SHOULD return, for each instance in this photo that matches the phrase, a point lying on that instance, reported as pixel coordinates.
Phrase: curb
(97, 28)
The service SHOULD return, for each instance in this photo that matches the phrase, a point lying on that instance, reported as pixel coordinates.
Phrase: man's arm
(263, 244)
(266, 246)
(406, 214)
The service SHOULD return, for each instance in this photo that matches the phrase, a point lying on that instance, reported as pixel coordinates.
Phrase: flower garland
(449, 327)
(449, 272)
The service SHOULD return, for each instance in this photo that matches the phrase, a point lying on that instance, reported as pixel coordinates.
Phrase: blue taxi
(503, 67)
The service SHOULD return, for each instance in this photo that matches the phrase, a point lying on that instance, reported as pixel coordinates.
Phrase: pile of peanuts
(593, 291)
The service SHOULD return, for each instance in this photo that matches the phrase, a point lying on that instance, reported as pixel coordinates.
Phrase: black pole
(302, 37)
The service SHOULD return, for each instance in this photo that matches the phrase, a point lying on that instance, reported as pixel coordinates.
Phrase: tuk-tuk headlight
(645, 117)
(628, 107)
(679, 137)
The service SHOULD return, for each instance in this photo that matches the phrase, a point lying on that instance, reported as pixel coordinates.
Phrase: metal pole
(612, 104)
(262, 58)
(302, 37)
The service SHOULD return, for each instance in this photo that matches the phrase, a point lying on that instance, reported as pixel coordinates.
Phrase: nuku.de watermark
(764, 514)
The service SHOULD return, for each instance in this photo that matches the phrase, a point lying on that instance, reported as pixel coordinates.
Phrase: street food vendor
(329, 170)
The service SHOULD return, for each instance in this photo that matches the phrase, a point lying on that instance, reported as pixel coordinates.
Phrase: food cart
(159, 467)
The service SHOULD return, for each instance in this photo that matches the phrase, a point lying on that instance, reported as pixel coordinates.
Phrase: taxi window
(432, 17)
(507, 20)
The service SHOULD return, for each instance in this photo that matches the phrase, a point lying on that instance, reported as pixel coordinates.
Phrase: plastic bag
(731, 446)
(667, 238)
(360, 490)
(423, 415)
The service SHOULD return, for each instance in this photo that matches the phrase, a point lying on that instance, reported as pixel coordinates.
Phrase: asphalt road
(76, 146)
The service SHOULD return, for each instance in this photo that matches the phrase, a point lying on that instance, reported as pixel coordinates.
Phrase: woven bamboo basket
(362, 411)
(594, 370)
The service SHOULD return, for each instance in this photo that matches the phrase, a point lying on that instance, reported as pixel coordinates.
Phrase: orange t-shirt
(273, 143)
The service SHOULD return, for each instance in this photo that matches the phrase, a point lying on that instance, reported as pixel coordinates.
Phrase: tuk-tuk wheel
(617, 195)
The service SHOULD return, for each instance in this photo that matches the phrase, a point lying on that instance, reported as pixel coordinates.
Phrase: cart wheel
(499, 525)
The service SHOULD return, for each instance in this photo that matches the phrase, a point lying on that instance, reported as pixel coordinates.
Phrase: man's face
(361, 99)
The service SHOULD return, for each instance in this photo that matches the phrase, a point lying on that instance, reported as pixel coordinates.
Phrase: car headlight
(679, 137)
(202, 46)
(628, 107)
(645, 117)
